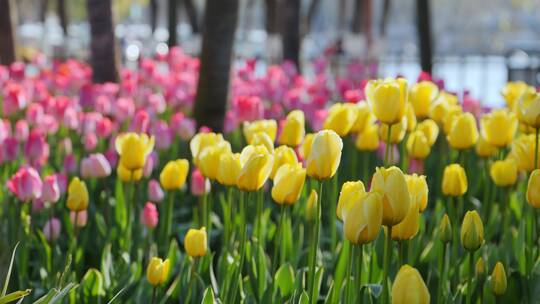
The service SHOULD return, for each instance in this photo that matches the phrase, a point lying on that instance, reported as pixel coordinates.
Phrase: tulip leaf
(120, 211)
(92, 284)
(8, 275)
(14, 296)
(339, 273)
(208, 297)
(304, 298)
(285, 279)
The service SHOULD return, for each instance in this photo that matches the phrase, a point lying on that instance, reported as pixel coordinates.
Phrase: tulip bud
(388, 99)
(480, 267)
(472, 231)
(77, 199)
(484, 149)
(133, 149)
(283, 155)
(325, 155)
(529, 108)
(267, 126)
(150, 215)
(418, 189)
(229, 168)
(421, 96)
(391, 183)
(155, 193)
(200, 185)
(450, 116)
(351, 192)
(174, 174)
(463, 133)
(512, 91)
(157, 271)
(311, 205)
(52, 229)
(498, 280)
(195, 242)
(96, 166)
(126, 175)
(409, 287)
(293, 131)
(363, 218)
(410, 118)
(407, 228)
(51, 190)
(288, 184)
(208, 161)
(368, 140)
(533, 189)
(26, 184)
(523, 152)
(201, 141)
(78, 219)
(418, 145)
(306, 145)
(364, 118)
(445, 229)
(499, 127)
(257, 166)
(430, 130)
(504, 172)
(341, 118)
(454, 180)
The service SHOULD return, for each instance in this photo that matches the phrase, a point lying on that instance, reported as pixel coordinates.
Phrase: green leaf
(92, 284)
(304, 298)
(285, 279)
(14, 296)
(120, 211)
(8, 275)
(208, 297)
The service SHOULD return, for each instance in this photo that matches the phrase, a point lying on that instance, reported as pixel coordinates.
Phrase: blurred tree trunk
(384, 18)
(424, 35)
(8, 21)
(43, 10)
(103, 45)
(62, 15)
(219, 26)
(312, 10)
(153, 14)
(172, 21)
(356, 25)
(291, 31)
(191, 12)
(271, 16)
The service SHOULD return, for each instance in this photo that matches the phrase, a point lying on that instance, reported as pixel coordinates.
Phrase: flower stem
(154, 292)
(233, 291)
(278, 242)
(471, 273)
(315, 247)
(387, 148)
(358, 275)
(440, 293)
(386, 264)
(348, 277)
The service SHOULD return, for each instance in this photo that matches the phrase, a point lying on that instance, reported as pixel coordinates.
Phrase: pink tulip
(231, 123)
(90, 141)
(16, 70)
(5, 129)
(150, 164)
(150, 215)
(199, 184)
(51, 189)
(66, 146)
(103, 105)
(71, 118)
(52, 229)
(156, 103)
(112, 157)
(62, 180)
(78, 218)
(140, 122)
(163, 135)
(123, 108)
(248, 108)
(9, 149)
(14, 100)
(104, 127)
(21, 130)
(175, 122)
(95, 166)
(25, 184)
(155, 193)
(70, 164)
(34, 113)
(187, 129)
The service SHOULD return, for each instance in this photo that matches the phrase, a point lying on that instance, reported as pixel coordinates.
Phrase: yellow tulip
(173, 176)
(325, 155)
(408, 228)
(480, 266)
(262, 139)
(504, 173)
(523, 152)
(364, 118)
(463, 134)
(430, 129)
(391, 183)
(533, 189)
(77, 199)
(133, 149)
(442, 104)
(529, 108)
(454, 181)
(499, 127)
(484, 149)
(306, 145)
(472, 231)
(157, 271)
(126, 175)
(418, 145)
(388, 99)
(267, 126)
(195, 242)
(311, 205)
(341, 118)
(498, 280)
(350, 192)
(256, 168)
(283, 155)
(363, 219)
(368, 140)
(445, 229)
(409, 287)
(452, 113)
(294, 129)
(421, 96)
(229, 168)
(525, 128)
(288, 183)
(411, 118)
(209, 159)
(202, 140)
(418, 189)
(512, 91)
(397, 132)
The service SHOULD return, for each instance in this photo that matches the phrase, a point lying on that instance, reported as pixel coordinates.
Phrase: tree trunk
(358, 13)
(103, 45)
(291, 32)
(219, 26)
(271, 16)
(153, 14)
(384, 18)
(424, 34)
(8, 21)
(313, 8)
(43, 10)
(62, 15)
(173, 21)
(191, 13)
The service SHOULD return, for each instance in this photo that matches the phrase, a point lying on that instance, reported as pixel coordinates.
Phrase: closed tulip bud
(418, 189)
(454, 181)
(523, 152)
(157, 271)
(388, 99)
(306, 145)
(484, 149)
(499, 127)
(133, 149)
(257, 165)
(149, 215)
(472, 231)
(421, 96)
(439, 108)
(504, 173)
(262, 139)
(202, 140)
(155, 193)
(283, 155)
(174, 174)
(391, 183)
(363, 219)
(430, 130)
(209, 159)
(451, 114)
(512, 91)
(78, 219)
(294, 129)
(77, 199)
(409, 287)
(463, 134)
(529, 108)
(126, 175)
(445, 229)
(200, 185)
(288, 183)
(411, 118)
(229, 169)
(95, 166)
(267, 126)
(407, 228)
(368, 140)
(417, 145)
(341, 118)
(364, 118)
(533, 189)
(397, 132)
(51, 190)
(52, 229)
(311, 205)
(498, 280)
(480, 267)
(325, 155)
(351, 192)
(195, 242)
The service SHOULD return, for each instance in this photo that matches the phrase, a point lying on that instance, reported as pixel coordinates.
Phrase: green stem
(386, 264)
(471, 274)
(191, 280)
(258, 231)
(358, 275)
(332, 215)
(154, 292)
(388, 144)
(233, 291)
(400, 251)
(348, 277)
(278, 242)
(315, 247)
(440, 293)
